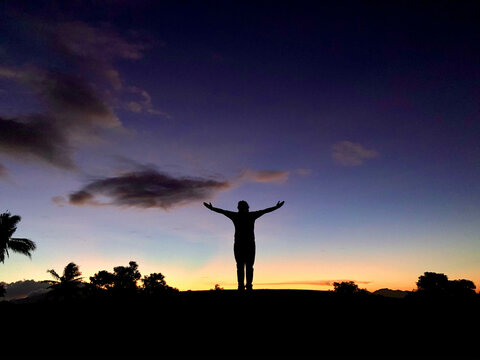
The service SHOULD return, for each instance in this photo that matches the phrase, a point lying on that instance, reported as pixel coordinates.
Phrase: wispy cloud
(142, 103)
(96, 48)
(265, 176)
(347, 153)
(303, 172)
(79, 100)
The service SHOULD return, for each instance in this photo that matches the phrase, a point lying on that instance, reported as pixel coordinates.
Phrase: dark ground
(225, 323)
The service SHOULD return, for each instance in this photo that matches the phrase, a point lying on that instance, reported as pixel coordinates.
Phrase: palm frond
(22, 246)
(8, 223)
(71, 272)
(52, 284)
(54, 274)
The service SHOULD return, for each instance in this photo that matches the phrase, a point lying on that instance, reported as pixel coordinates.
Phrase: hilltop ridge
(268, 322)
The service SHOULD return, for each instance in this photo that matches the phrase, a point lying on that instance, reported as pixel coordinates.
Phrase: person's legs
(249, 274)
(240, 276)
(250, 260)
(239, 258)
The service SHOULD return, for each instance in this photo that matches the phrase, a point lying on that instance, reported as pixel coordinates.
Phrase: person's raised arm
(218, 210)
(270, 209)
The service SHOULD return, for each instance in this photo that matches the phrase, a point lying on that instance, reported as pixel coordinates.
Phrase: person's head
(243, 206)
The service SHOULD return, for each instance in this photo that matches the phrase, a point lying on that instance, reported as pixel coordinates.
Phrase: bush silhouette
(461, 287)
(348, 288)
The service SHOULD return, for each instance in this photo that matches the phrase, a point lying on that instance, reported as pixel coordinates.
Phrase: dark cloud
(147, 189)
(77, 105)
(36, 137)
(69, 100)
(24, 288)
(3, 171)
(73, 110)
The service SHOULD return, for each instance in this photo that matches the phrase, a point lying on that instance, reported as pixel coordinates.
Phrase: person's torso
(244, 226)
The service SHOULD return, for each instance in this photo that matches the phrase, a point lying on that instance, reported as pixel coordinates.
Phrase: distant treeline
(430, 284)
(123, 281)
(127, 281)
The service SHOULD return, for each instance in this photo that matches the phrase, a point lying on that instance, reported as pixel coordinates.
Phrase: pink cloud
(265, 176)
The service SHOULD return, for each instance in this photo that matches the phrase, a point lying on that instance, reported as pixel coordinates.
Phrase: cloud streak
(347, 153)
(313, 282)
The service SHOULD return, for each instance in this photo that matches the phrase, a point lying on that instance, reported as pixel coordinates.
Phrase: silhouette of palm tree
(68, 284)
(8, 225)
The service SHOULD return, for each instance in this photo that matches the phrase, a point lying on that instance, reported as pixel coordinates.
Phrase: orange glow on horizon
(305, 274)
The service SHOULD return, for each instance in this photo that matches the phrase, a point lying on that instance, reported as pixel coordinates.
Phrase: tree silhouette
(437, 284)
(103, 280)
(123, 280)
(2, 290)
(461, 287)
(8, 225)
(65, 286)
(431, 283)
(126, 277)
(155, 284)
(345, 287)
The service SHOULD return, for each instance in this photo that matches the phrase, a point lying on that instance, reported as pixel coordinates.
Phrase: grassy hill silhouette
(263, 322)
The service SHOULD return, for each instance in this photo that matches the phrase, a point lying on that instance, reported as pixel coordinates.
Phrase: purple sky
(117, 120)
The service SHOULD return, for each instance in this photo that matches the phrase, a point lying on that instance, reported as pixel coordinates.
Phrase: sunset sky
(118, 119)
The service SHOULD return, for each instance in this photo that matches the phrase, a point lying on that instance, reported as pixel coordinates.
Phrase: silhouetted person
(244, 245)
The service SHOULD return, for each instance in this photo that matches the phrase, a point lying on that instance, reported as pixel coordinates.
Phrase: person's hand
(208, 205)
(280, 204)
